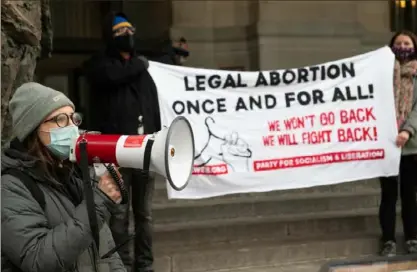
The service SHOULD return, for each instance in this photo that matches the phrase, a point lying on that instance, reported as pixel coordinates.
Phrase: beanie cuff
(122, 24)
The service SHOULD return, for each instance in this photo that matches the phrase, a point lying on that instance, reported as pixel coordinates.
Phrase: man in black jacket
(125, 92)
(175, 53)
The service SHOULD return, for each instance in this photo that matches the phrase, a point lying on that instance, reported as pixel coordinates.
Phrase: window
(403, 15)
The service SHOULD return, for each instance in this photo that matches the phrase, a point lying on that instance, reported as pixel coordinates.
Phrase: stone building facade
(243, 35)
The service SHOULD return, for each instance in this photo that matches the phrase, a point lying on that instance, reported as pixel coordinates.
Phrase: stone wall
(221, 33)
(278, 34)
(256, 35)
(293, 34)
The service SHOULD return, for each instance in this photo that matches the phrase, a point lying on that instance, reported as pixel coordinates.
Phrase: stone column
(374, 20)
(220, 33)
(299, 33)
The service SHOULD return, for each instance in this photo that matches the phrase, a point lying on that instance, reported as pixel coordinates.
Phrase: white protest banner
(284, 129)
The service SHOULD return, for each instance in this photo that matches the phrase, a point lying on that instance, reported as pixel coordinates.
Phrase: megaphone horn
(171, 151)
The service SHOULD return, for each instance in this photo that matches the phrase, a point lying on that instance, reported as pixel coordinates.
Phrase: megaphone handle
(120, 183)
(147, 158)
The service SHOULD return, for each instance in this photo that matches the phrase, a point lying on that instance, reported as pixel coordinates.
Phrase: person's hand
(236, 152)
(235, 146)
(108, 186)
(402, 138)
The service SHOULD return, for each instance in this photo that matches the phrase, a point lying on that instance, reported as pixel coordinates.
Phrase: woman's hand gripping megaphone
(110, 179)
(226, 147)
(110, 186)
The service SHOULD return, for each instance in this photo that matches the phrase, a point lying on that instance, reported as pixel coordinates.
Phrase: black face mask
(124, 43)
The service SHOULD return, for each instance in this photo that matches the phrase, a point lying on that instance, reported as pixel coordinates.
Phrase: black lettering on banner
(240, 105)
(206, 106)
(270, 101)
(221, 105)
(229, 82)
(187, 85)
(314, 70)
(202, 82)
(261, 80)
(234, 80)
(178, 107)
(199, 82)
(333, 71)
(302, 75)
(350, 93)
(287, 77)
(304, 98)
(214, 81)
(267, 101)
(274, 78)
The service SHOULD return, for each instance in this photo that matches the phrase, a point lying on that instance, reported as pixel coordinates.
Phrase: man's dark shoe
(389, 249)
(411, 246)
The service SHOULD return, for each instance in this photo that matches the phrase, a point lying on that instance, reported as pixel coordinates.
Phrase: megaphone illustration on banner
(168, 152)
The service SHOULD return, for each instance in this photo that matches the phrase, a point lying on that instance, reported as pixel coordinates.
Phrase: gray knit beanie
(31, 104)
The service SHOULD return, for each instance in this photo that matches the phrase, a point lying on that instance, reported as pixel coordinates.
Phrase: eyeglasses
(62, 119)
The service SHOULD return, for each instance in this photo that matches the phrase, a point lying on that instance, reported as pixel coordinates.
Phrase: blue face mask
(61, 140)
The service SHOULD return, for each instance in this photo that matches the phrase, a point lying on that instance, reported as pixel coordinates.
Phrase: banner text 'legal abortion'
(267, 81)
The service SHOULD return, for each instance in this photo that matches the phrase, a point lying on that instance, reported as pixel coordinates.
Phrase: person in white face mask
(44, 219)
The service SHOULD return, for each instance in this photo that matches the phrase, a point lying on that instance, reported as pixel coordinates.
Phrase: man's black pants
(389, 195)
(141, 200)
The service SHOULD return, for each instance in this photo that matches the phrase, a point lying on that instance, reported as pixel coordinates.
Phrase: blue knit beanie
(120, 21)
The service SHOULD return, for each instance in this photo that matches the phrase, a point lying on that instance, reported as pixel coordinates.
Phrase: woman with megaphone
(44, 219)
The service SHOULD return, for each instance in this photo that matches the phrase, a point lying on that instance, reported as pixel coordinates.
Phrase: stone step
(322, 265)
(306, 266)
(231, 257)
(282, 227)
(160, 194)
(226, 209)
(161, 265)
(347, 195)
